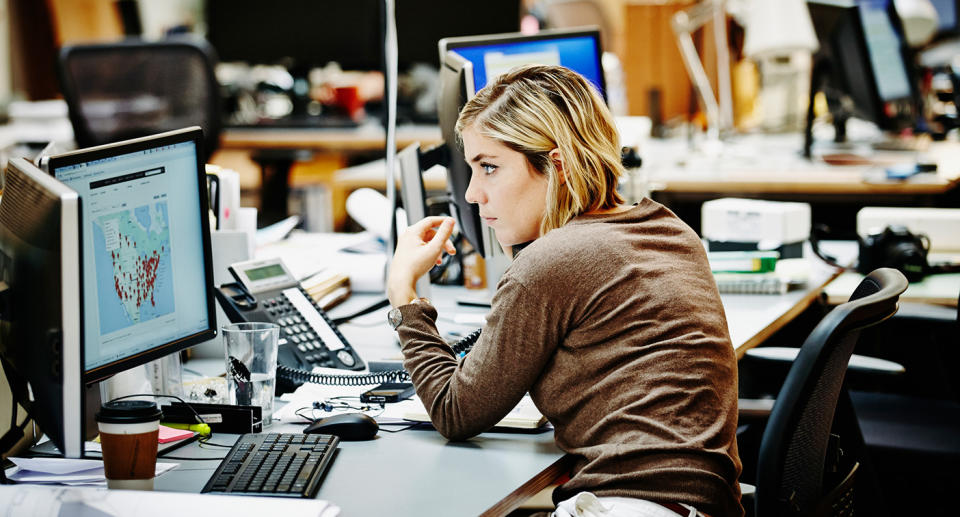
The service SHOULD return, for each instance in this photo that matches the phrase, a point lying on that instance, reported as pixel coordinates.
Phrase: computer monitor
(468, 64)
(422, 23)
(299, 34)
(862, 65)
(414, 197)
(40, 305)
(947, 22)
(147, 280)
(108, 266)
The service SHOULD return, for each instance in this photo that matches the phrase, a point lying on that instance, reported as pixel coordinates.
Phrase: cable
(200, 419)
(366, 310)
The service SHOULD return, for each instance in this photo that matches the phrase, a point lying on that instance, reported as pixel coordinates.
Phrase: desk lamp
(919, 19)
(684, 23)
(780, 39)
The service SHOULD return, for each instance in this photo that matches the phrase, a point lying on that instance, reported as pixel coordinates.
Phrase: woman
(609, 316)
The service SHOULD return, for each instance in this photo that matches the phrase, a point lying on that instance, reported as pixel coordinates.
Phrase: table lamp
(780, 38)
(718, 110)
(919, 19)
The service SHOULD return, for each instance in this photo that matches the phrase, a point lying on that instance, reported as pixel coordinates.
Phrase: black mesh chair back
(134, 88)
(797, 441)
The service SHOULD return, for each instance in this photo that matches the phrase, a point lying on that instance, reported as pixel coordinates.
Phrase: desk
(770, 167)
(418, 472)
(369, 136)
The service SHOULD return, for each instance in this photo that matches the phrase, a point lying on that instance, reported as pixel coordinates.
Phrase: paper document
(64, 471)
(45, 501)
(524, 416)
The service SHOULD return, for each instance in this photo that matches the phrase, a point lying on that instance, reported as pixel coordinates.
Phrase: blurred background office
(840, 104)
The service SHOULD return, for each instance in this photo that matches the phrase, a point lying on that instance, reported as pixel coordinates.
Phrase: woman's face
(509, 192)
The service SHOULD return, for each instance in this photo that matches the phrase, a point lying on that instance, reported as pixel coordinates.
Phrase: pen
(203, 429)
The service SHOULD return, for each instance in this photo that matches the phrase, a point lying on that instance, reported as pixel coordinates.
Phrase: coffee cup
(128, 438)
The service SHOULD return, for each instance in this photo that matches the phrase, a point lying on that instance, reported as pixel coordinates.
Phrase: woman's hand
(419, 247)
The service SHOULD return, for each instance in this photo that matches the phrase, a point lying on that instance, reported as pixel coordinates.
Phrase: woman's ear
(558, 165)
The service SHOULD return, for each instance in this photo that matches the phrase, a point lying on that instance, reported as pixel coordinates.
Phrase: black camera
(897, 248)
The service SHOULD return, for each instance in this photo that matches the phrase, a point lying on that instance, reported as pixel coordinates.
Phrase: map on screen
(134, 270)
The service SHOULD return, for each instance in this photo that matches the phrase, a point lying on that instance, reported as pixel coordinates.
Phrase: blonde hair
(535, 109)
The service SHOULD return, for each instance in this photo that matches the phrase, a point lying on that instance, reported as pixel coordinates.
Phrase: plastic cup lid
(128, 412)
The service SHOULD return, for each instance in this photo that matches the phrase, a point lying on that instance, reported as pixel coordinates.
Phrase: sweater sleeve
(465, 398)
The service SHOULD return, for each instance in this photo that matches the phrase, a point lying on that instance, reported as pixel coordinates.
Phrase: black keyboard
(275, 464)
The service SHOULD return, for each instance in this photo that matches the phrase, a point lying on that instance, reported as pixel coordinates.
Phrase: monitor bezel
(66, 431)
(191, 134)
(593, 32)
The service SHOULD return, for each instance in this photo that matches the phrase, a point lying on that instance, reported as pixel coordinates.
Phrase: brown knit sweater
(614, 325)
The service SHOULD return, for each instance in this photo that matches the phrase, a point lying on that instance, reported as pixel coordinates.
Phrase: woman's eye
(488, 168)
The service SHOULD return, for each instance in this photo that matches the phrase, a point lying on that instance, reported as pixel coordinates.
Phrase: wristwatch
(395, 318)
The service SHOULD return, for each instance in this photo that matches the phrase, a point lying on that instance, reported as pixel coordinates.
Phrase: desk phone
(266, 291)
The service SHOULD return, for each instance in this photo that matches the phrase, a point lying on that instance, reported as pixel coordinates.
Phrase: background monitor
(947, 23)
(147, 278)
(864, 58)
(422, 23)
(300, 34)
(414, 197)
(468, 64)
(41, 312)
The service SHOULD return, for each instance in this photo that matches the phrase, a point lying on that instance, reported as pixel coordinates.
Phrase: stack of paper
(63, 471)
(44, 501)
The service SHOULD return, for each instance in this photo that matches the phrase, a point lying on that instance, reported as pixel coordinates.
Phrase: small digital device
(388, 392)
(267, 291)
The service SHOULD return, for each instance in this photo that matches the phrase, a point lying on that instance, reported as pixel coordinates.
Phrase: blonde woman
(609, 316)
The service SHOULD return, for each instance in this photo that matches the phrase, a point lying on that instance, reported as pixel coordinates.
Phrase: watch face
(395, 318)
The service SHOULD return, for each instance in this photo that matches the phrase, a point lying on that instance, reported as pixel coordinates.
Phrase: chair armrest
(858, 363)
(754, 408)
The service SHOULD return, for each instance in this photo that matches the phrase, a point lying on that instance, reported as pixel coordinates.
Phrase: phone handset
(299, 376)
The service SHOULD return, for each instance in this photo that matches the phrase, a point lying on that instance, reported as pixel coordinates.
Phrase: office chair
(134, 88)
(801, 469)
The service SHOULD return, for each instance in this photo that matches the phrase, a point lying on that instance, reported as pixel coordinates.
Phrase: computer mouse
(347, 426)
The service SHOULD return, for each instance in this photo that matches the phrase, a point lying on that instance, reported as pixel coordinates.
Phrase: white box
(941, 225)
(770, 224)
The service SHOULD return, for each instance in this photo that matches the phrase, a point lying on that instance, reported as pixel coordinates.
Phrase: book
(742, 261)
(327, 287)
(755, 283)
(789, 273)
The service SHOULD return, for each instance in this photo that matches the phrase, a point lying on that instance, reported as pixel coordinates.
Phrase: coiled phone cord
(460, 349)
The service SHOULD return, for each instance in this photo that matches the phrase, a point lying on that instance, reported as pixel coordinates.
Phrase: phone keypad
(295, 331)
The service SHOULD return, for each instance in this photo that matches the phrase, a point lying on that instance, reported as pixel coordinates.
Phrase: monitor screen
(147, 275)
(493, 55)
(885, 47)
(946, 15)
